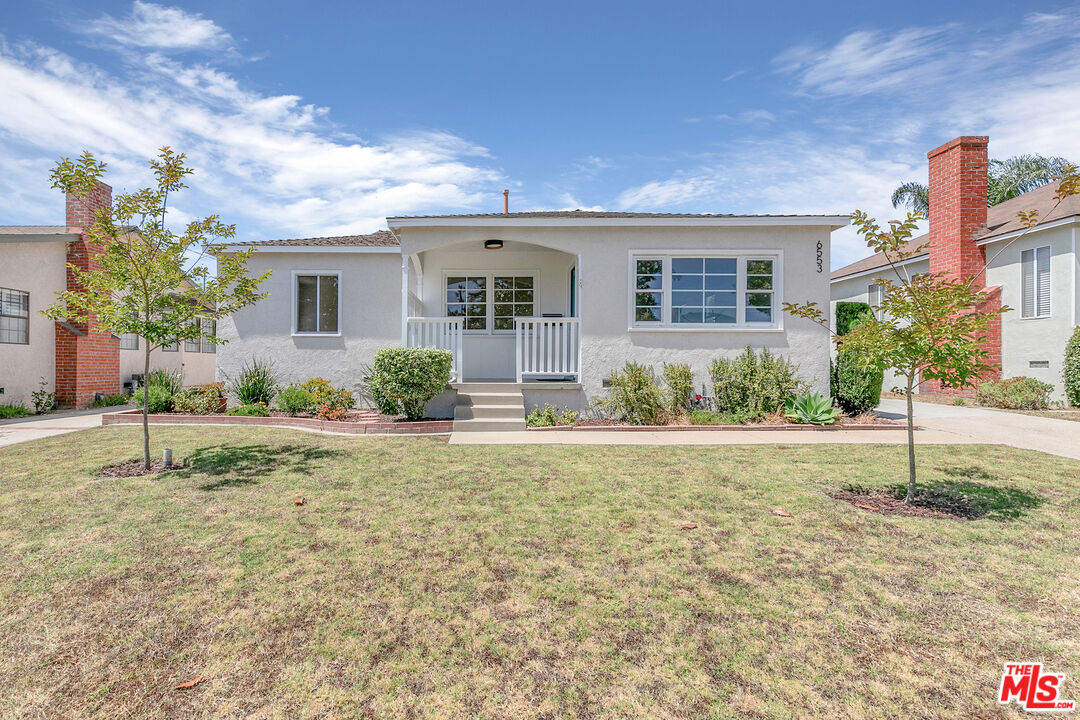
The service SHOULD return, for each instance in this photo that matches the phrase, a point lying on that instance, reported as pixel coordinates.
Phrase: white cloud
(273, 160)
(160, 27)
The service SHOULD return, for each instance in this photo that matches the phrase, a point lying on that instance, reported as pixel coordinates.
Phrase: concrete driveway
(23, 429)
(998, 427)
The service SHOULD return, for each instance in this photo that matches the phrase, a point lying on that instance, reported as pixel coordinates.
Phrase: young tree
(150, 280)
(931, 326)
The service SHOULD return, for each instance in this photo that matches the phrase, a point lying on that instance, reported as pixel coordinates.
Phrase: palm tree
(1005, 179)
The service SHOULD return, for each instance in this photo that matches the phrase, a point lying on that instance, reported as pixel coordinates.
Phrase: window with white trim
(14, 317)
(210, 328)
(706, 291)
(130, 341)
(317, 303)
(1035, 282)
(490, 302)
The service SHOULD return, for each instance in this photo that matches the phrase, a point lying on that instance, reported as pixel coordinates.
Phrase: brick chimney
(957, 212)
(87, 358)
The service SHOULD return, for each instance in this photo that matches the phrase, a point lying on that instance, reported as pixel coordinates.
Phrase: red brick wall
(957, 212)
(88, 361)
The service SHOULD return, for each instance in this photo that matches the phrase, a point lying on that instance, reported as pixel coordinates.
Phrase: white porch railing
(440, 333)
(548, 347)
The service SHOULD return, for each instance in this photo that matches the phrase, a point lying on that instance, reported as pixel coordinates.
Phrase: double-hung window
(704, 291)
(490, 302)
(14, 317)
(130, 341)
(317, 303)
(1035, 282)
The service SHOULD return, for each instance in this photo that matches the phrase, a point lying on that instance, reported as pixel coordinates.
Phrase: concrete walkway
(32, 428)
(941, 425)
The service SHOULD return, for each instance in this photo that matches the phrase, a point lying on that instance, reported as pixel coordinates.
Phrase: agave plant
(812, 408)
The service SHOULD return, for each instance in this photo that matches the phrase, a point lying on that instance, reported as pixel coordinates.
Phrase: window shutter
(1027, 283)
(1042, 269)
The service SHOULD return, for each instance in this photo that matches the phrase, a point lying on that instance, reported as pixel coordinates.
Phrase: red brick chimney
(957, 212)
(87, 359)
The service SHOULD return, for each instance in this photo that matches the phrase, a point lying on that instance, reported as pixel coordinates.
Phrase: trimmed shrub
(403, 380)
(1018, 393)
(199, 400)
(1072, 368)
(754, 385)
(257, 409)
(11, 410)
(679, 383)
(256, 383)
(858, 384)
(849, 312)
(550, 416)
(634, 397)
(295, 400)
(161, 400)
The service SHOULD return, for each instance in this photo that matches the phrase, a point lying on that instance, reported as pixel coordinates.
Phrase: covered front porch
(506, 310)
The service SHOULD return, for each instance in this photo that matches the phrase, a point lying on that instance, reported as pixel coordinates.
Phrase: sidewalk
(40, 426)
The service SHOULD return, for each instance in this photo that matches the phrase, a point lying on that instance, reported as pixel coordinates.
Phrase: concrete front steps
(489, 407)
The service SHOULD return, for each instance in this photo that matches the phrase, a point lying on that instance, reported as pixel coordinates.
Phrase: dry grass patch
(424, 580)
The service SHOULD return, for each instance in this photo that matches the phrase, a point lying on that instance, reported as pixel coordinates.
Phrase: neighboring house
(1034, 272)
(76, 361)
(549, 301)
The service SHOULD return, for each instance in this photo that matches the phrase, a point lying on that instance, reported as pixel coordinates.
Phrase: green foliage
(812, 408)
(112, 400)
(257, 409)
(403, 380)
(550, 416)
(1072, 368)
(679, 386)
(858, 382)
(1018, 393)
(150, 280)
(160, 401)
(754, 385)
(256, 383)
(199, 400)
(170, 380)
(848, 313)
(294, 400)
(711, 417)
(44, 400)
(330, 403)
(633, 396)
(11, 410)
(913, 195)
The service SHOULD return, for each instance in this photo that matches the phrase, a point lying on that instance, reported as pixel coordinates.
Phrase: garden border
(422, 427)
(734, 428)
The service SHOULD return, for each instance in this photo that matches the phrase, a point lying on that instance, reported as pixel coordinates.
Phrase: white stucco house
(1035, 272)
(545, 304)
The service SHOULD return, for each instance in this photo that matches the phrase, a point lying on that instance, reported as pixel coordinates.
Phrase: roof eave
(833, 222)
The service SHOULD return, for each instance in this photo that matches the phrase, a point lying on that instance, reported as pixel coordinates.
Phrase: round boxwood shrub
(1072, 368)
(403, 380)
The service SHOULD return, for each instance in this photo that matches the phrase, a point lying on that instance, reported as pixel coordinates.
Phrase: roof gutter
(1017, 233)
(830, 221)
(881, 268)
(360, 249)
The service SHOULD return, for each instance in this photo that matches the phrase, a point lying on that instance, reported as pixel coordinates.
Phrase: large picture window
(703, 291)
(490, 302)
(317, 303)
(14, 317)
(1035, 282)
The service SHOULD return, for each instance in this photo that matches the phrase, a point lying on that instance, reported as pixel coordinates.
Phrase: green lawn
(431, 581)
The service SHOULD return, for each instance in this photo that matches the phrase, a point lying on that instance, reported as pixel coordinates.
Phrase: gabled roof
(380, 238)
(1001, 219)
(598, 214)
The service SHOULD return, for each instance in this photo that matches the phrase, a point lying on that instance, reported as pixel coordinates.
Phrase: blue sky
(306, 119)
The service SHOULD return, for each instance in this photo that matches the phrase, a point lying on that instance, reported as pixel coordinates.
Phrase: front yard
(424, 580)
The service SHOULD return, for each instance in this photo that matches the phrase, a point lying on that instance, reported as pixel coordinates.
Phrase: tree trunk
(146, 409)
(910, 441)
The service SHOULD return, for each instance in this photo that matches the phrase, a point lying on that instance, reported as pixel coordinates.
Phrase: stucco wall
(37, 268)
(604, 292)
(856, 289)
(198, 368)
(370, 297)
(1027, 340)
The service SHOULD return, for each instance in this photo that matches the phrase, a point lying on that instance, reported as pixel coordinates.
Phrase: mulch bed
(134, 468)
(885, 503)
